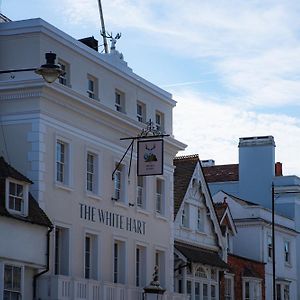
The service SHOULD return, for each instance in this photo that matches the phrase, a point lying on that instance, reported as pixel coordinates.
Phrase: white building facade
(200, 249)
(109, 232)
(254, 241)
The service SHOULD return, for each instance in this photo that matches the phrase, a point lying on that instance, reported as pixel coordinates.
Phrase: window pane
(8, 277)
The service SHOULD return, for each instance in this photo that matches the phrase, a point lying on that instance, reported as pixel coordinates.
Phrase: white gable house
(200, 249)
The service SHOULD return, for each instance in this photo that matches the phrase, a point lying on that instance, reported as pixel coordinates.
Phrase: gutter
(47, 267)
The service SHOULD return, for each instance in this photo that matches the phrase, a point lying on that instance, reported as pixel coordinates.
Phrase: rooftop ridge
(187, 157)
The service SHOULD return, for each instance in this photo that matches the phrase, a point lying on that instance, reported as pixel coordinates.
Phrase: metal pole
(103, 27)
(273, 242)
(16, 70)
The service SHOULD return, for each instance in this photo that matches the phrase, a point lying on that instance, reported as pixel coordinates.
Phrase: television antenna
(103, 32)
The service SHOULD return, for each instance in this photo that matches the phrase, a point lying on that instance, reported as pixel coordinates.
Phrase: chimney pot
(278, 169)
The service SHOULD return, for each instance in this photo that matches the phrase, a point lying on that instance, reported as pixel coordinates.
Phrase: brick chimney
(278, 169)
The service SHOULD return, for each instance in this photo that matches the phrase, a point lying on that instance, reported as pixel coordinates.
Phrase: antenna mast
(103, 33)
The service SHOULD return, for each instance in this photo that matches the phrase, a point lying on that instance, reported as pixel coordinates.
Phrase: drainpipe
(48, 264)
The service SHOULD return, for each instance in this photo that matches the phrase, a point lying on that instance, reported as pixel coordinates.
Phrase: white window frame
(93, 255)
(230, 295)
(14, 265)
(62, 249)
(185, 216)
(287, 252)
(141, 116)
(141, 192)
(252, 283)
(119, 270)
(141, 267)
(283, 285)
(120, 183)
(93, 174)
(64, 79)
(67, 179)
(160, 262)
(159, 121)
(160, 196)
(24, 201)
(120, 101)
(92, 91)
(200, 220)
(269, 247)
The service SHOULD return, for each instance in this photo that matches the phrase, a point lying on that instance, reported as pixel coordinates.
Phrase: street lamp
(49, 71)
(154, 287)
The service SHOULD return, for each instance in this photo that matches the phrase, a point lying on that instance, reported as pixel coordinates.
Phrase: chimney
(207, 163)
(278, 169)
(256, 168)
(90, 42)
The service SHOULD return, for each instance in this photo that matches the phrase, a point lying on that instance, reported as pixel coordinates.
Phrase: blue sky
(232, 66)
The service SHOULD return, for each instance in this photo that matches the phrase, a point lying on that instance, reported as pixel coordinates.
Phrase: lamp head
(50, 71)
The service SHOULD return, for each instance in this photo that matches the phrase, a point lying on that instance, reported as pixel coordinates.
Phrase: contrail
(187, 83)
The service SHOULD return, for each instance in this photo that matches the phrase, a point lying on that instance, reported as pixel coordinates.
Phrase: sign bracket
(150, 132)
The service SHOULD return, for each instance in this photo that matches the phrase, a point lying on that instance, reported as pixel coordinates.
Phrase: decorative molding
(20, 96)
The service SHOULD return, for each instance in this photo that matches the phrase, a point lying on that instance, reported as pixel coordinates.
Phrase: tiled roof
(35, 214)
(185, 166)
(221, 173)
(220, 209)
(241, 201)
(199, 255)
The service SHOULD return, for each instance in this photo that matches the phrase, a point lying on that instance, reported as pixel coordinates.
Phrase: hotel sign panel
(150, 157)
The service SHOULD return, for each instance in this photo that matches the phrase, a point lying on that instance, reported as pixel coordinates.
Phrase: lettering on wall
(93, 214)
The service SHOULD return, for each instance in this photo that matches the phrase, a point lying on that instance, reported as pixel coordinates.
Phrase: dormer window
(16, 197)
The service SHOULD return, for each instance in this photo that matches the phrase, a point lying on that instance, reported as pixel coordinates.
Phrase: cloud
(254, 45)
(213, 130)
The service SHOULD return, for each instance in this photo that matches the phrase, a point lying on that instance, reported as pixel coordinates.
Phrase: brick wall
(241, 267)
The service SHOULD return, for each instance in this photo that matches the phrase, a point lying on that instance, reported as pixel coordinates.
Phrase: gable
(196, 196)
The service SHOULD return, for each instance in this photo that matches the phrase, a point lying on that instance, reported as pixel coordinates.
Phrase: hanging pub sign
(150, 157)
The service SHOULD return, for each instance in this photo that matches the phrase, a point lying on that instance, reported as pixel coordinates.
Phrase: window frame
(141, 267)
(185, 216)
(141, 192)
(62, 248)
(67, 180)
(21, 279)
(93, 255)
(141, 117)
(160, 126)
(120, 183)
(119, 262)
(24, 201)
(93, 174)
(64, 79)
(92, 93)
(253, 282)
(160, 197)
(269, 247)
(120, 101)
(287, 260)
(160, 262)
(230, 295)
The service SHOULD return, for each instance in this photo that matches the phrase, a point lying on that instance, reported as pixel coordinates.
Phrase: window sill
(62, 186)
(185, 228)
(288, 265)
(200, 232)
(120, 204)
(17, 213)
(142, 211)
(93, 195)
(161, 217)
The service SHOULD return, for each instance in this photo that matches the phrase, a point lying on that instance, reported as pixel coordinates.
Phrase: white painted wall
(40, 113)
